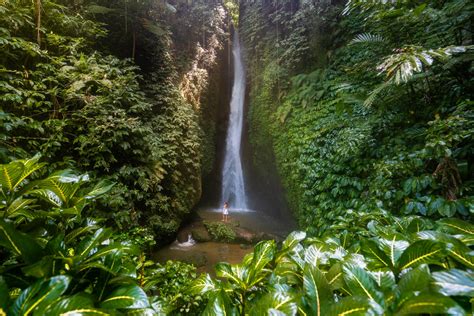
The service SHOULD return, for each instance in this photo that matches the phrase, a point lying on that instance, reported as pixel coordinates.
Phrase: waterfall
(233, 188)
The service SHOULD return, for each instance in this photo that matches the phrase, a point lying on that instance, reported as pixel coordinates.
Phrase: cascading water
(233, 188)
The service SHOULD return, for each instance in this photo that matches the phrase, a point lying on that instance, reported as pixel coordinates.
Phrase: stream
(204, 255)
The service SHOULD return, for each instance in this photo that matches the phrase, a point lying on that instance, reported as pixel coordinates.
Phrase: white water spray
(233, 188)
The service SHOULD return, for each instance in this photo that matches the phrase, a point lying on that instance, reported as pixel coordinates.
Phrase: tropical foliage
(365, 108)
(413, 266)
(382, 120)
(66, 92)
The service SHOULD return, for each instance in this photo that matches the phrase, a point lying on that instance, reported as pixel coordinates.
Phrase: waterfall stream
(233, 187)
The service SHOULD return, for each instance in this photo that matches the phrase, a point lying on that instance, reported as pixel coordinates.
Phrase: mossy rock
(243, 235)
(220, 232)
(200, 234)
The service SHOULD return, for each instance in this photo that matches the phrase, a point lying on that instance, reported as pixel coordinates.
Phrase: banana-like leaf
(13, 174)
(317, 290)
(360, 282)
(455, 248)
(377, 257)
(18, 204)
(289, 243)
(293, 239)
(290, 271)
(81, 303)
(352, 305)
(264, 253)
(454, 282)
(385, 280)
(126, 296)
(280, 299)
(113, 248)
(414, 281)
(315, 255)
(335, 276)
(393, 246)
(48, 196)
(421, 251)
(220, 304)
(202, 285)
(91, 242)
(79, 231)
(456, 226)
(234, 273)
(59, 188)
(36, 298)
(21, 244)
(99, 189)
(430, 304)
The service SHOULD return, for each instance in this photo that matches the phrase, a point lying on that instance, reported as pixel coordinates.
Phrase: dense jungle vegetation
(108, 114)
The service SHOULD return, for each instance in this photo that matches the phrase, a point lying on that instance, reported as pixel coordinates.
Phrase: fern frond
(367, 38)
(379, 91)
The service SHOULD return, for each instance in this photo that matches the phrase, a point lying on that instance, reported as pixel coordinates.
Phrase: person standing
(225, 212)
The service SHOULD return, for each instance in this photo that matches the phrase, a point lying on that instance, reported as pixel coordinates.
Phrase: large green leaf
(99, 189)
(220, 304)
(279, 300)
(353, 306)
(393, 246)
(20, 243)
(454, 282)
(455, 248)
(456, 226)
(234, 273)
(335, 276)
(413, 282)
(315, 255)
(421, 251)
(36, 298)
(126, 296)
(293, 239)
(360, 282)
(59, 188)
(430, 304)
(317, 290)
(377, 257)
(91, 242)
(202, 285)
(290, 242)
(113, 248)
(13, 174)
(80, 231)
(17, 205)
(76, 303)
(263, 254)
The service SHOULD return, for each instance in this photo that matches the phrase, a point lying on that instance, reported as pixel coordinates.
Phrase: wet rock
(265, 236)
(243, 235)
(200, 234)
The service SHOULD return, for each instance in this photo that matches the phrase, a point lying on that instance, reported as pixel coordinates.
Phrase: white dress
(225, 211)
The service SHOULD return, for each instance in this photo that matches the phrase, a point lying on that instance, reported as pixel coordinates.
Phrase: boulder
(200, 234)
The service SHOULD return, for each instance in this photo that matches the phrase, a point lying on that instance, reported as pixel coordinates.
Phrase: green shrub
(220, 231)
